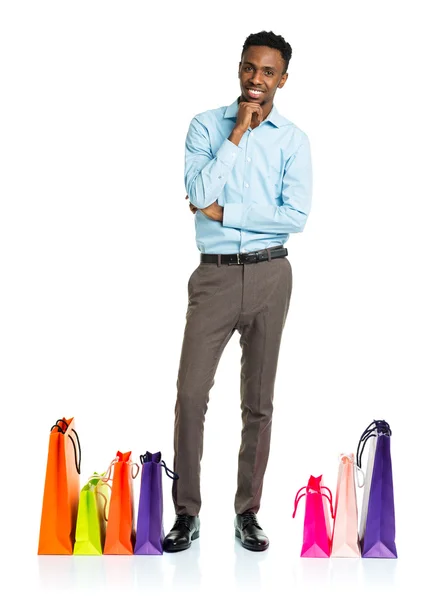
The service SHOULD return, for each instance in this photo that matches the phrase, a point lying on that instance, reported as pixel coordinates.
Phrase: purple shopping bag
(150, 532)
(378, 539)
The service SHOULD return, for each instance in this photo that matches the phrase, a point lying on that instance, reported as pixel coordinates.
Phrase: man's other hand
(193, 208)
(214, 211)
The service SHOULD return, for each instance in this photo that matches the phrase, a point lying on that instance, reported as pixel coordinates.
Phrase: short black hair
(270, 39)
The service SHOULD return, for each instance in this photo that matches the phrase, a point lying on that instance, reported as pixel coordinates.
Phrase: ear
(283, 80)
(239, 69)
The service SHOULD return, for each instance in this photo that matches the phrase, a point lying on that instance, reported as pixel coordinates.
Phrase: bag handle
(107, 476)
(307, 487)
(298, 498)
(105, 517)
(356, 468)
(105, 499)
(60, 430)
(330, 499)
(133, 464)
(147, 457)
(376, 427)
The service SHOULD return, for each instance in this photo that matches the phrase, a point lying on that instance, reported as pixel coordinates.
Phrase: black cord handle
(60, 430)
(374, 429)
(147, 457)
(168, 471)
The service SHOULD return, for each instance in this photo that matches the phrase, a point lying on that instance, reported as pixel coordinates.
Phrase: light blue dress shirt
(264, 184)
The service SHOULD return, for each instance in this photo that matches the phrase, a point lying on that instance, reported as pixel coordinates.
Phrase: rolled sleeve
(205, 174)
(233, 215)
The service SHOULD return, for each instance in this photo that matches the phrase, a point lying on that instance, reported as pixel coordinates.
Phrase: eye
(270, 72)
(246, 68)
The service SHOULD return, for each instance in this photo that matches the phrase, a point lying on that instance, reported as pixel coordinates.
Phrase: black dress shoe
(185, 530)
(247, 529)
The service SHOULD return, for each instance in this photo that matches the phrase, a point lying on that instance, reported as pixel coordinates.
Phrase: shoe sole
(247, 547)
(193, 537)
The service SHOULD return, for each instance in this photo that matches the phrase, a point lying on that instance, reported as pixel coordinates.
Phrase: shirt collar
(274, 117)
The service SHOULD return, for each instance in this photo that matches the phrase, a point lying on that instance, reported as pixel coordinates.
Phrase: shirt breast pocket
(275, 183)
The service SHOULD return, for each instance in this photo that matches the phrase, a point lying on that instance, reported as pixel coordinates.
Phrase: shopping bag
(120, 532)
(378, 540)
(371, 440)
(150, 531)
(345, 541)
(92, 516)
(317, 529)
(61, 490)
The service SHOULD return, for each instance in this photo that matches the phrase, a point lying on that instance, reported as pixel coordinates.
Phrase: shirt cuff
(228, 152)
(233, 215)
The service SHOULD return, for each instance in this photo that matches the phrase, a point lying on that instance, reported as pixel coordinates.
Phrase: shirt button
(233, 154)
(220, 176)
(253, 133)
(246, 185)
(248, 159)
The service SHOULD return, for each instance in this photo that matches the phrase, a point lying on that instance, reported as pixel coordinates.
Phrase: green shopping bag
(92, 516)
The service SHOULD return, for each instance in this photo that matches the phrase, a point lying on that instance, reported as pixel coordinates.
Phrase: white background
(97, 244)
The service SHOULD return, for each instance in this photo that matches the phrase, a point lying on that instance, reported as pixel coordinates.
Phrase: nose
(257, 79)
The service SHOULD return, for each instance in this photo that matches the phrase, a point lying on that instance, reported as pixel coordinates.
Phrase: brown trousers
(254, 300)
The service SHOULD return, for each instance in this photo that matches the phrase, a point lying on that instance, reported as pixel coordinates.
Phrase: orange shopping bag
(120, 532)
(61, 491)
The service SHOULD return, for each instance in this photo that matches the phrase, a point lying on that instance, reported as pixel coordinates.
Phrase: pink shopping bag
(317, 529)
(345, 542)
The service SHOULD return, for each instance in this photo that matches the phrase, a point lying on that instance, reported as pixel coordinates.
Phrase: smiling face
(261, 69)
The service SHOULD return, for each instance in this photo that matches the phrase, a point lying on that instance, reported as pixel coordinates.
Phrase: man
(248, 177)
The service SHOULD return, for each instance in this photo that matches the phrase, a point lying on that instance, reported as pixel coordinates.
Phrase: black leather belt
(246, 257)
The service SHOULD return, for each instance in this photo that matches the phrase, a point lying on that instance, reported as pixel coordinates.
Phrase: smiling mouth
(253, 93)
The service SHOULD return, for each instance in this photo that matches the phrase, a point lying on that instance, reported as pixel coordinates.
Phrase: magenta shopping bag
(150, 533)
(317, 529)
(378, 539)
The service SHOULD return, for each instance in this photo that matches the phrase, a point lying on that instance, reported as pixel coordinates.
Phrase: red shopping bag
(120, 532)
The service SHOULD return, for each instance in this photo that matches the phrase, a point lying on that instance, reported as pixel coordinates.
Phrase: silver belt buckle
(238, 262)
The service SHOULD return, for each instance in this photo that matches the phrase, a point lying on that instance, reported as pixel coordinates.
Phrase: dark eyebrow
(253, 65)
